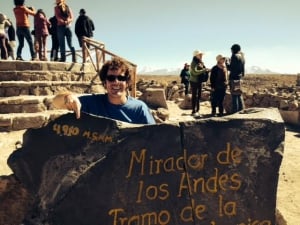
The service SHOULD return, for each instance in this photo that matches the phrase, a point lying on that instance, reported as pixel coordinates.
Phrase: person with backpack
(236, 66)
(199, 74)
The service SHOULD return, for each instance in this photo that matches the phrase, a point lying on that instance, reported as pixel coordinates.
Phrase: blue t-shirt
(133, 111)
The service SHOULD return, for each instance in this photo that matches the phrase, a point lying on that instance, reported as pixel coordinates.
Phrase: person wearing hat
(185, 76)
(84, 26)
(218, 82)
(237, 72)
(199, 74)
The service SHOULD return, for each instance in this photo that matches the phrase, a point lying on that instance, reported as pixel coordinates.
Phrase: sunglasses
(112, 78)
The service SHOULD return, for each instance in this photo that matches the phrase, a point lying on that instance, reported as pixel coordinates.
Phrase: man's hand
(67, 101)
(72, 103)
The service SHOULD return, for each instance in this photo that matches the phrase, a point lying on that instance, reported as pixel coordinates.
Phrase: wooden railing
(99, 57)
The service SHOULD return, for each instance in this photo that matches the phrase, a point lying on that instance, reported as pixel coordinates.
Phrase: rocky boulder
(99, 171)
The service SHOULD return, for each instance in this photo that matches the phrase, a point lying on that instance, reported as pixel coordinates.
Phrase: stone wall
(285, 98)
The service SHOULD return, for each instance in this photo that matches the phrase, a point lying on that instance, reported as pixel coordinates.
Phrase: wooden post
(100, 53)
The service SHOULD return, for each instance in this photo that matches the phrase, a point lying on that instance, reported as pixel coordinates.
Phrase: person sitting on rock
(115, 104)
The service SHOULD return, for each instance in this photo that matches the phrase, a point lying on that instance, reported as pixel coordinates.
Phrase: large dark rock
(99, 171)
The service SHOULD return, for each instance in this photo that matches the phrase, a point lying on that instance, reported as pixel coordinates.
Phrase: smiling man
(115, 104)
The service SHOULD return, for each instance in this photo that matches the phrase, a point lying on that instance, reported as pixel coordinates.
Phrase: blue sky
(164, 33)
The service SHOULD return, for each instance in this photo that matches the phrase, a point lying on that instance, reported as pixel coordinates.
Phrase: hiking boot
(19, 58)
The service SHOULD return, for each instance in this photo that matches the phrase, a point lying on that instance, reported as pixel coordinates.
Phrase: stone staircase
(27, 90)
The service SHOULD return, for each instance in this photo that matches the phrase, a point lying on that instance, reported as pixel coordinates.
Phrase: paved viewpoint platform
(216, 171)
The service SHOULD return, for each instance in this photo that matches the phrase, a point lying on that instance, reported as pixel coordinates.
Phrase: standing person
(84, 26)
(4, 24)
(11, 42)
(116, 104)
(64, 16)
(41, 24)
(218, 82)
(54, 39)
(237, 71)
(199, 74)
(23, 27)
(185, 76)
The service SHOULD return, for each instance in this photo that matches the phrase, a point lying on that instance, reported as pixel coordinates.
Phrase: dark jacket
(218, 78)
(185, 76)
(84, 26)
(53, 26)
(237, 66)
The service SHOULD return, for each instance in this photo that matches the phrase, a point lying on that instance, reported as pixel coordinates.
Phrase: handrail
(100, 53)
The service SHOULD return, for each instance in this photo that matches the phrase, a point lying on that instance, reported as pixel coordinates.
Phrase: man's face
(116, 84)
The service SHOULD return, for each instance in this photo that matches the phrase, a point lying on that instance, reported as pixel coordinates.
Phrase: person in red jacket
(41, 24)
(22, 13)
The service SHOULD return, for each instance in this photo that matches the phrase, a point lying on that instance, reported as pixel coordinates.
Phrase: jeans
(62, 32)
(4, 52)
(237, 103)
(217, 98)
(186, 87)
(54, 48)
(196, 96)
(24, 33)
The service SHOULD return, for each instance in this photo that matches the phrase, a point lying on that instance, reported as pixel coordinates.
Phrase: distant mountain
(258, 70)
(163, 71)
(176, 71)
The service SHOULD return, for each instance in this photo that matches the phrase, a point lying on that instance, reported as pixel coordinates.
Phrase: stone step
(20, 121)
(15, 65)
(50, 71)
(25, 104)
(38, 88)
(47, 75)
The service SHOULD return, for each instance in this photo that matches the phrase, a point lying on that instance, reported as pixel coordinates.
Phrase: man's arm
(69, 101)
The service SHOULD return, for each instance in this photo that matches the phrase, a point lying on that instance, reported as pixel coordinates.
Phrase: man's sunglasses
(112, 78)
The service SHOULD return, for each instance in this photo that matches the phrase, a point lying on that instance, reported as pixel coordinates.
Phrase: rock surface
(96, 171)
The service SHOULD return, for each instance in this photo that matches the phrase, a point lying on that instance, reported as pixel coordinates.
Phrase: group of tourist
(57, 26)
(226, 72)
(115, 73)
